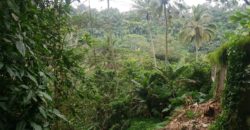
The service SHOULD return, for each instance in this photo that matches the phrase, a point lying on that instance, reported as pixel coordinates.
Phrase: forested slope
(67, 66)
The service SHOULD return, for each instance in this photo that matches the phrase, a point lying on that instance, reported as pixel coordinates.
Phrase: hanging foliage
(31, 32)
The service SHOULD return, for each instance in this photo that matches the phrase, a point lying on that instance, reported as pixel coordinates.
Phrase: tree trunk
(110, 41)
(166, 34)
(151, 41)
(90, 19)
(108, 4)
(220, 80)
(196, 51)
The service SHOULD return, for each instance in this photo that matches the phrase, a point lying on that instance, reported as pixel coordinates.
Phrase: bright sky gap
(122, 5)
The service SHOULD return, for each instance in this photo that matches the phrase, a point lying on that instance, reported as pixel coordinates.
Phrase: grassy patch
(191, 114)
(144, 124)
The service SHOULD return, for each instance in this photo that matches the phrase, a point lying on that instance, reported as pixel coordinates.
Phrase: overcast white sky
(123, 5)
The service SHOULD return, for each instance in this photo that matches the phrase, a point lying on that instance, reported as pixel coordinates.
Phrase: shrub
(199, 74)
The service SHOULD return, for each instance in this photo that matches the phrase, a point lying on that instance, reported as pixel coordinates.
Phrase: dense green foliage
(236, 91)
(148, 93)
(235, 55)
(67, 68)
(31, 41)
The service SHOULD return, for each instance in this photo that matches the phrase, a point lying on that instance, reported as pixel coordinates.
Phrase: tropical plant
(146, 7)
(198, 29)
(163, 8)
(169, 10)
(243, 18)
(31, 41)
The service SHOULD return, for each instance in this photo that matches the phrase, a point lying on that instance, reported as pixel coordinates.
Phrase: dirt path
(195, 116)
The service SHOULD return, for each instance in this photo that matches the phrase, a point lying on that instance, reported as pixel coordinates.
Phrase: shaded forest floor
(194, 116)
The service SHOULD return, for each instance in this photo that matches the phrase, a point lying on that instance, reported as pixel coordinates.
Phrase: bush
(136, 91)
(199, 74)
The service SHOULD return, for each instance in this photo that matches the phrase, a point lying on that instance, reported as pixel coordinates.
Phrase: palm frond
(198, 29)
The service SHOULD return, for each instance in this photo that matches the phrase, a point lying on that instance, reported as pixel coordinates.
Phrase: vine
(236, 89)
(31, 42)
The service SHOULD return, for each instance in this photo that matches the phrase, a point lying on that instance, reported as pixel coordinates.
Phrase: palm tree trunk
(151, 41)
(108, 4)
(110, 41)
(166, 34)
(90, 19)
(196, 51)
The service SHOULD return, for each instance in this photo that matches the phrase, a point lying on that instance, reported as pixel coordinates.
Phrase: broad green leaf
(35, 126)
(166, 109)
(6, 40)
(10, 71)
(34, 98)
(32, 78)
(57, 113)
(24, 86)
(14, 17)
(29, 97)
(1, 65)
(46, 124)
(21, 47)
(45, 95)
(41, 74)
(3, 106)
(30, 50)
(41, 110)
(21, 125)
(44, 100)
(7, 24)
(21, 72)
(12, 5)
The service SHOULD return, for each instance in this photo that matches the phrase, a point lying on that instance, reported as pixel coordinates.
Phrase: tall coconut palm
(168, 10)
(146, 7)
(198, 29)
(163, 8)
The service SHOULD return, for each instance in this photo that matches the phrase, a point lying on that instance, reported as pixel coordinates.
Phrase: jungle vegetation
(68, 67)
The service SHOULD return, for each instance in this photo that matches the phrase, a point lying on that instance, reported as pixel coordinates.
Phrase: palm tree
(168, 9)
(163, 8)
(198, 29)
(146, 7)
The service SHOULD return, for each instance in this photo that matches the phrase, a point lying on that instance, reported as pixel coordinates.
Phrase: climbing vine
(235, 93)
(31, 44)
